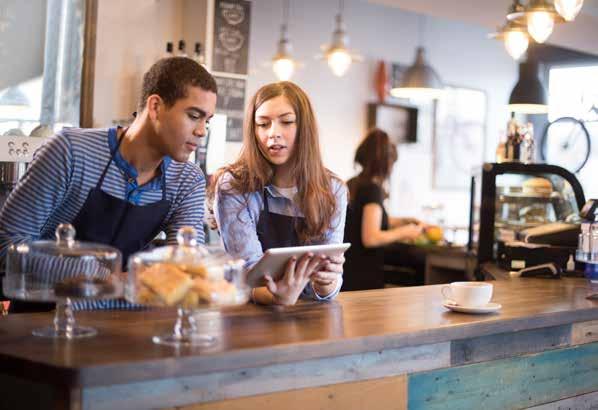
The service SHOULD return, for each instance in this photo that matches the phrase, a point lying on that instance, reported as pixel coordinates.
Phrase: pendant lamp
(420, 80)
(283, 63)
(528, 95)
(540, 17)
(515, 38)
(513, 33)
(568, 9)
(337, 53)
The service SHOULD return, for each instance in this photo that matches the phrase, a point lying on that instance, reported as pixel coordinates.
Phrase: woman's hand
(325, 280)
(297, 274)
(408, 232)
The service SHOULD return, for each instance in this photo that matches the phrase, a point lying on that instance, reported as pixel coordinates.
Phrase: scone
(195, 270)
(191, 300)
(167, 281)
(203, 288)
(211, 272)
(146, 296)
(224, 292)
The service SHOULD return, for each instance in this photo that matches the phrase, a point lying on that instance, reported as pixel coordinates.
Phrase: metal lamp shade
(528, 95)
(420, 80)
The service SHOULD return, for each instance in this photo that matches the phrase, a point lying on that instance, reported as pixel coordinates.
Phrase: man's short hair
(170, 77)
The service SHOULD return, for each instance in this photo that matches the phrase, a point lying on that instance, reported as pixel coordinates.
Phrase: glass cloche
(189, 277)
(60, 271)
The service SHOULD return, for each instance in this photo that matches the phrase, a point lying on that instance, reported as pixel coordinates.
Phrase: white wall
(131, 36)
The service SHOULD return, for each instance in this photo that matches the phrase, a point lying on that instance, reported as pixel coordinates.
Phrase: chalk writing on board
(231, 36)
(231, 101)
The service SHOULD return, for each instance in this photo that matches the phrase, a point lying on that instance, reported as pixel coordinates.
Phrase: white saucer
(489, 308)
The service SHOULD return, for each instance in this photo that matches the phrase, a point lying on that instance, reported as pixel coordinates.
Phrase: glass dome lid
(61, 270)
(189, 277)
(65, 245)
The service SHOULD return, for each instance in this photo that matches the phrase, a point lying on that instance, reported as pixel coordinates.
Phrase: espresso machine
(16, 153)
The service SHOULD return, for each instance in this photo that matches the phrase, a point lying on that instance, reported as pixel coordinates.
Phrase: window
(573, 91)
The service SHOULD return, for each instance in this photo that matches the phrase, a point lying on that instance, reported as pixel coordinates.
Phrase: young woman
(369, 227)
(278, 193)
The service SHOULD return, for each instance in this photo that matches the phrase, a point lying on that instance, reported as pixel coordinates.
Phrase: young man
(122, 186)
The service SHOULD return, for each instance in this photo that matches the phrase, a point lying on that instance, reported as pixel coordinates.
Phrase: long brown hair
(252, 171)
(376, 154)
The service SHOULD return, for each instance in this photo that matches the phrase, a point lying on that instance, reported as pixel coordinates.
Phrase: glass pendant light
(283, 63)
(540, 25)
(516, 43)
(420, 80)
(568, 9)
(540, 17)
(515, 37)
(337, 54)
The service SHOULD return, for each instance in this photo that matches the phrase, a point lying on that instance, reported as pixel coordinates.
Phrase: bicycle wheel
(566, 142)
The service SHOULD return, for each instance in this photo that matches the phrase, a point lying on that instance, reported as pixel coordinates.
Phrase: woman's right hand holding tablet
(297, 274)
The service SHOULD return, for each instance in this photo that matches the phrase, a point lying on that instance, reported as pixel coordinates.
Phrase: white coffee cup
(470, 294)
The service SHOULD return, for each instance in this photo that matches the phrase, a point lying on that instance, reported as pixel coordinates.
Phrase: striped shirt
(65, 168)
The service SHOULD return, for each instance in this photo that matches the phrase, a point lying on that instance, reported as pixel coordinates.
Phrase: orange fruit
(434, 233)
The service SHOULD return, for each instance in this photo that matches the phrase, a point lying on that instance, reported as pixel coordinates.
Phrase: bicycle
(566, 142)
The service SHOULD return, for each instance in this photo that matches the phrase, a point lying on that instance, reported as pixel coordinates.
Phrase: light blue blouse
(237, 217)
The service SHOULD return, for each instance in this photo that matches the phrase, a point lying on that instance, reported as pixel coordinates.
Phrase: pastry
(203, 288)
(146, 296)
(224, 292)
(168, 281)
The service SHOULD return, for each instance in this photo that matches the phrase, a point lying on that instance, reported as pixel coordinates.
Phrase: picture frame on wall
(459, 137)
(399, 121)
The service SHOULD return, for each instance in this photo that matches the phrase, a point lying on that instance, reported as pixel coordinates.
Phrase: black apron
(117, 222)
(275, 230)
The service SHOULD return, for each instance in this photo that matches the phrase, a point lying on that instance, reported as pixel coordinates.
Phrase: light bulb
(568, 9)
(516, 43)
(339, 61)
(283, 68)
(540, 25)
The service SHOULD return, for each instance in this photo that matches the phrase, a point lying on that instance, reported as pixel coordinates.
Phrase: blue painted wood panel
(512, 383)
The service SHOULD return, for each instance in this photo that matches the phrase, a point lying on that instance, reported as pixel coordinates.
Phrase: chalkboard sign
(231, 36)
(231, 101)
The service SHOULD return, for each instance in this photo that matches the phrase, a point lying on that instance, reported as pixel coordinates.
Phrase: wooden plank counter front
(392, 348)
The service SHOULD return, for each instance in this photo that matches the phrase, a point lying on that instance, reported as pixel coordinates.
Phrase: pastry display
(188, 275)
(168, 284)
(65, 271)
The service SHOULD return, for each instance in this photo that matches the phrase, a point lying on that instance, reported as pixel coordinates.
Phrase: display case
(520, 200)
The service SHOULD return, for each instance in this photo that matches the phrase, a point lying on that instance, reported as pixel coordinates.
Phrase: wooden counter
(392, 348)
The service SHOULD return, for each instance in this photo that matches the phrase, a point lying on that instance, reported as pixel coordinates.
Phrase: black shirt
(363, 267)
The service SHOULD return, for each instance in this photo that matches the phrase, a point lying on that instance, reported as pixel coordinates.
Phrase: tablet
(274, 259)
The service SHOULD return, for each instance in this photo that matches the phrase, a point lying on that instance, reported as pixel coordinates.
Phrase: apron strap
(112, 154)
(163, 181)
(266, 209)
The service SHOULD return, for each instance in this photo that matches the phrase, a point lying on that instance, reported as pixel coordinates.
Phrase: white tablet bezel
(273, 260)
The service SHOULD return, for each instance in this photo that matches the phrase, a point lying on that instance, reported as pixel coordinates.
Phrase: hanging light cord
(285, 13)
(421, 29)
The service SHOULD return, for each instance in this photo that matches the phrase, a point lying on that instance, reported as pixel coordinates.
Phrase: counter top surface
(252, 336)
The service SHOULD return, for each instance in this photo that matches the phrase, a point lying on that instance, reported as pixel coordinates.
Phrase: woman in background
(279, 194)
(369, 228)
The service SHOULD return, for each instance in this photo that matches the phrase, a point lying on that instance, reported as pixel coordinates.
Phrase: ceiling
(579, 35)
